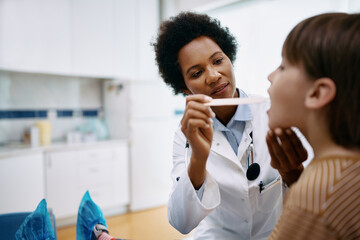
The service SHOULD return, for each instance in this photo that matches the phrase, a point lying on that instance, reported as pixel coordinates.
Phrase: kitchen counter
(20, 149)
(61, 173)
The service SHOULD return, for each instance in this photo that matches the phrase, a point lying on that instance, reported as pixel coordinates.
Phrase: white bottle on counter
(34, 136)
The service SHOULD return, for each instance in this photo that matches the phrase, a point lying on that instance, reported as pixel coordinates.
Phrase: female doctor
(219, 188)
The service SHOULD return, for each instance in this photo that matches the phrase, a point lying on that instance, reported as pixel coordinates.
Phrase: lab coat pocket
(270, 196)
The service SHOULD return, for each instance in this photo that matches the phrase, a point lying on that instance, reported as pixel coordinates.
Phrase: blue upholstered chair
(10, 223)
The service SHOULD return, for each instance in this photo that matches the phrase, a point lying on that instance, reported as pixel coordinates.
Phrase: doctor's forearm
(197, 172)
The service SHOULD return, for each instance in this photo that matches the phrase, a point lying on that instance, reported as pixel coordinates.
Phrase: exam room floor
(149, 224)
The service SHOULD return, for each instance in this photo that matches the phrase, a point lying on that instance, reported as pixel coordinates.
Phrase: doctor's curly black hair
(180, 30)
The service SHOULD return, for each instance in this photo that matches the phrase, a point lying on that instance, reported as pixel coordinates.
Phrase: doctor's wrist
(197, 178)
(292, 176)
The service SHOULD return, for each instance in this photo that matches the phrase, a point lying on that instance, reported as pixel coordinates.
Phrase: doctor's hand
(287, 153)
(196, 125)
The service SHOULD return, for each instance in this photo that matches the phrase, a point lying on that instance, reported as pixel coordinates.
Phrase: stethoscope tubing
(253, 170)
(186, 154)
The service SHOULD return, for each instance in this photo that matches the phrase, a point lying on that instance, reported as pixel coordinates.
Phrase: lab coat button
(246, 221)
(242, 200)
(217, 144)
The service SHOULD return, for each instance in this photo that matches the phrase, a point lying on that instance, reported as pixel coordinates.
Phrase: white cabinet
(151, 163)
(35, 36)
(94, 38)
(21, 182)
(126, 38)
(112, 38)
(103, 170)
(148, 23)
(149, 123)
(61, 182)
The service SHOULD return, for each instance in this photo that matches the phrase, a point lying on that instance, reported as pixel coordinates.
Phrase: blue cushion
(37, 226)
(10, 223)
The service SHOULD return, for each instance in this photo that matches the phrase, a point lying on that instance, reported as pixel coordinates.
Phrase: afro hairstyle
(180, 30)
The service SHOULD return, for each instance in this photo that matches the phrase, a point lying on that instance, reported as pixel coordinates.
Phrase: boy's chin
(271, 125)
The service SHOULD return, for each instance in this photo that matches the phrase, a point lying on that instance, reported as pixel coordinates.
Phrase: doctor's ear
(322, 93)
(187, 92)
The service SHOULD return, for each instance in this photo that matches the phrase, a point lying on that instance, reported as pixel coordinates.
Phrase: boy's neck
(332, 149)
(321, 141)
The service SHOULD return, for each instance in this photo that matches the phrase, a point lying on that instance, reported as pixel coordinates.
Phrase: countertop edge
(6, 152)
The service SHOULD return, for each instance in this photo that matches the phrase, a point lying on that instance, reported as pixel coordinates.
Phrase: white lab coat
(232, 207)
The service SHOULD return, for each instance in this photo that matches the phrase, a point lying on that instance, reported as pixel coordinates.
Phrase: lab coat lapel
(221, 146)
(245, 139)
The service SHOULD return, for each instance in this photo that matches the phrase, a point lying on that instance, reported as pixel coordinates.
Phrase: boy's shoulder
(327, 185)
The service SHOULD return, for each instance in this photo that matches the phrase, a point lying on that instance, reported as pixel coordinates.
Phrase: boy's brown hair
(328, 45)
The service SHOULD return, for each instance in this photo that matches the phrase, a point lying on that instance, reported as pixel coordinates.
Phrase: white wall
(30, 91)
(354, 6)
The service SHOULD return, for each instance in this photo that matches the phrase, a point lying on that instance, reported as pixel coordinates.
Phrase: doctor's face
(289, 85)
(206, 69)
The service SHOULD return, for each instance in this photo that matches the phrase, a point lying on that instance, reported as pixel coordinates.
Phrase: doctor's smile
(219, 90)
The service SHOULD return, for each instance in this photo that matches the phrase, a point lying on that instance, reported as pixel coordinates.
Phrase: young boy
(317, 89)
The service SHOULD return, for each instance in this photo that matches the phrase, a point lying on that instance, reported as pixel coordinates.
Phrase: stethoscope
(253, 170)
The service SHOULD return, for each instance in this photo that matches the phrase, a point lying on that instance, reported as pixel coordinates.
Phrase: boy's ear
(322, 93)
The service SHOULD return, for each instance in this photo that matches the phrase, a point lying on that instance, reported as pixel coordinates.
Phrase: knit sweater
(324, 203)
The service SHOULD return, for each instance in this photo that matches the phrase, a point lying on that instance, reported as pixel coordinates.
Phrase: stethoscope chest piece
(253, 171)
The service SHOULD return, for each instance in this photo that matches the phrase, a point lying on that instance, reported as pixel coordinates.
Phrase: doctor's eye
(218, 61)
(196, 74)
(281, 67)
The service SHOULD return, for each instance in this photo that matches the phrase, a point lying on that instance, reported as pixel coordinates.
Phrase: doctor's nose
(213, 76)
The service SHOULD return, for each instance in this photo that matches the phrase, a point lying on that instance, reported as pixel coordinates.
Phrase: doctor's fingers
(270, 141)
(290, 150)
(297, 144)
(278, 158)
(200, 141)
(195, 114)
(200, 107)
(192, 126)
(200, 138)
(195, 110)
(202, 98)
